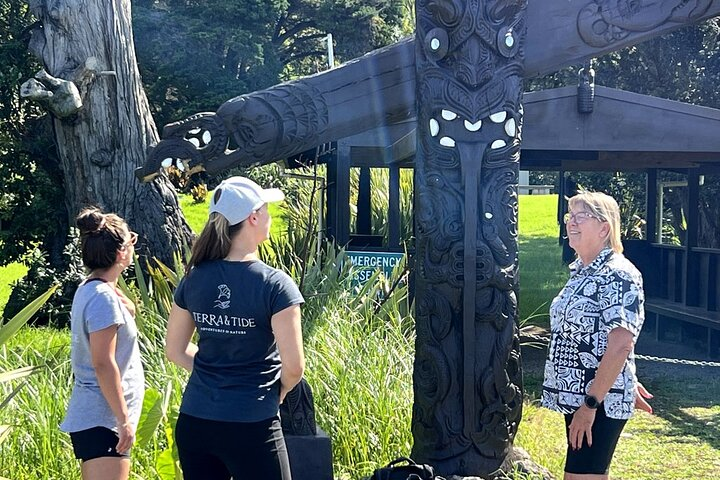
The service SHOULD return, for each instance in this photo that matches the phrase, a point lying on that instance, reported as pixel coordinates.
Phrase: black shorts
(596, 459)
(95, 442)
(213, 450)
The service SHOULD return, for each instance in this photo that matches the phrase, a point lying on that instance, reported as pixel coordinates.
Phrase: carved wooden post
(467, 376)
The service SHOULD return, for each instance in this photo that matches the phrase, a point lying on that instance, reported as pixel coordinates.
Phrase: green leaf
(4, 432)
(18, 373)
(150, 418)
(15, 391)
(166, 466)
(8, 329)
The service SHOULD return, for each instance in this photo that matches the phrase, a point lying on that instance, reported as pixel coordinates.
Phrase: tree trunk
(90, 43)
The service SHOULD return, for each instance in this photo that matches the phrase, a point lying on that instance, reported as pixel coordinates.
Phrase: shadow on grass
(677, 393)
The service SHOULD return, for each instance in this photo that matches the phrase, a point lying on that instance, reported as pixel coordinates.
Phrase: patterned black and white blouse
(599, 297)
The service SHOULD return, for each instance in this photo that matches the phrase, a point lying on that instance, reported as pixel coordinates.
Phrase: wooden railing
(681, 285)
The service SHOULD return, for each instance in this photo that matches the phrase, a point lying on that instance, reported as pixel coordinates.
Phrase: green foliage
(9, 274)
(628, 189)
(196, 55)
(32, 210)
(41, 276)
(7, 330)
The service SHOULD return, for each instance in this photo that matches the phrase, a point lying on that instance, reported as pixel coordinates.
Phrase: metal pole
(331, 52)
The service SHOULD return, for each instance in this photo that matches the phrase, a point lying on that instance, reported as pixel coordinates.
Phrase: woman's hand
(581, 427)
(126, 432)
(641, 394)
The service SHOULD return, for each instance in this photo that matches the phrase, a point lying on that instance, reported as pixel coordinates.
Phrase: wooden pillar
(394, 207)
(331, 203)
(692, 259)
(467, 376)
(651, 206)
(338, 196)
(363, 221)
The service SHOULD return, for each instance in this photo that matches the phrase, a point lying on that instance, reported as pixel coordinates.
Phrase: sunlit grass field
(196, 214)
(8, 275)
(541, 271)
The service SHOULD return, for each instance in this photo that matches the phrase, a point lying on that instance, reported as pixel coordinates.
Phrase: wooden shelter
(624, 132)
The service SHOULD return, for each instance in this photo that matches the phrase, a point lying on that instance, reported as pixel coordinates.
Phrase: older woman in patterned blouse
(595, 321)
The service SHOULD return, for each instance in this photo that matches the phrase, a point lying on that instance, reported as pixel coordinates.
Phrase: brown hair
(214, 241)
(101, 236)
(604, 208)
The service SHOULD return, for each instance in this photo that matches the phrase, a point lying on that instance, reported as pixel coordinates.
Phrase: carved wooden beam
(379, 87)
(374, 90)
(566, 32)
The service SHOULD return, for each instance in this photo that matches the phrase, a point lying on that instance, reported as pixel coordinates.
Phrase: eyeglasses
(579, 217)
(132, 241)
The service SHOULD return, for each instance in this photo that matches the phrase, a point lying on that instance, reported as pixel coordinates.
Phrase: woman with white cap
(249, 352)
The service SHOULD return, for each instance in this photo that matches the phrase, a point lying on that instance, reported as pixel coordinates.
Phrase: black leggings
(212, 450)
(596, 459)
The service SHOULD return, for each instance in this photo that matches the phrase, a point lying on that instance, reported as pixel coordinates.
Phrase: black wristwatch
(591, 402)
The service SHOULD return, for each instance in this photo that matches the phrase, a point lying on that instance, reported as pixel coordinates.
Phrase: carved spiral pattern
(275, 120)
(469, 70)
(601, 23)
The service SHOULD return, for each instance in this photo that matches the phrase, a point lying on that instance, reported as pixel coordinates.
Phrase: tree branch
(299, 27)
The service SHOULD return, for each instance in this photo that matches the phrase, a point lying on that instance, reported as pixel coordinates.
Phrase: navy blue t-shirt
(236, 372)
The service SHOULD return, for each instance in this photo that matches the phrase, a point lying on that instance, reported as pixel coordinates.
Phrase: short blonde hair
(604, 208)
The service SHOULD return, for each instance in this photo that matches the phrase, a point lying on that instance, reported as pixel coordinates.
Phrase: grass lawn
(542, 273)
(196, 214)
(8, 275)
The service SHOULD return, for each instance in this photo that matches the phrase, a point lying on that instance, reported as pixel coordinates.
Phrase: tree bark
(90, 44)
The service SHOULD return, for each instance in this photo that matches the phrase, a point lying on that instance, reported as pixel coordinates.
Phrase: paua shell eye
(436, 44)
(507, 42)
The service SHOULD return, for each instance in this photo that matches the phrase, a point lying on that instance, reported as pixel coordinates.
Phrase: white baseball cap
(237, 197)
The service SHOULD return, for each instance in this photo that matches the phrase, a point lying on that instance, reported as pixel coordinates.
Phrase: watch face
(591, 402)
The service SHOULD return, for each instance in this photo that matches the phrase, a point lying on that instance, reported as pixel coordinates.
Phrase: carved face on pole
(469, 77)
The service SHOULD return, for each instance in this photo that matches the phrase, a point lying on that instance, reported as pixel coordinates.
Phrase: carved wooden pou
(467, 377)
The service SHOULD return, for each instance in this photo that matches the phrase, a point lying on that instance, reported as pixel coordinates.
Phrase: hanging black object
(409, 471)
(586, 89)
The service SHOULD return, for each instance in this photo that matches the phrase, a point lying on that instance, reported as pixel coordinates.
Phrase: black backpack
(409, 471)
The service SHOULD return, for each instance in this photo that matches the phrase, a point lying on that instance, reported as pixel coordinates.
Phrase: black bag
(411, 471)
